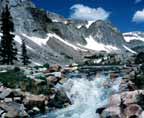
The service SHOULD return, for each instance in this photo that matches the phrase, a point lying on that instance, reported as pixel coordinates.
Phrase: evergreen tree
(25, 58)
(140, 58)
(8, 50)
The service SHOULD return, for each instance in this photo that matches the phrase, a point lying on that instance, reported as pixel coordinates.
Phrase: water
(86, 97)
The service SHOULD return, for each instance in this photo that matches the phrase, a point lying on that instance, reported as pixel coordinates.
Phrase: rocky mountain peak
(15, 3)
(53, 38)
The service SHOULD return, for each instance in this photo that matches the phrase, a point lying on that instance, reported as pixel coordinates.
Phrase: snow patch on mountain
(38, 41)
(93, 45)
(36, 63)
(130, 50)
(79, 26)
(19, 40)
(65, 42)
(55, 20)
(133, 36)
(89, 24)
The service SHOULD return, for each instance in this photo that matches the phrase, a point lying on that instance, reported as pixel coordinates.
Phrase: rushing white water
(86, 97)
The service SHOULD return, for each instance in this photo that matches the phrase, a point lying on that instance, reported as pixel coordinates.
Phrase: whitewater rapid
(86, 96)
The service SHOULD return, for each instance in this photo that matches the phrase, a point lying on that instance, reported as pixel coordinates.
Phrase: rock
(57, 74)
(35, 109)
(142, 115)
(13, 110)
(131, 86)
(111, 112)
(54, 68)
(62, 80)
(5, 93)
(69, 69)
(122, 105)
(59, 100)
(115, 100)
(127, 85)
(130, 97)
(133, 110)
(126, 77)
(12, 114)
(17, 93)
(38, 82)
(100, 110)
(52, 80)
(123, 85)
(31, 101)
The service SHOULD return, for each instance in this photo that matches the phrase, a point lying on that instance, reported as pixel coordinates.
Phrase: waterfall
(86, 96)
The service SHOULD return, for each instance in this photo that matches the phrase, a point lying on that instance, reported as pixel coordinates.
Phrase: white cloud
(138, 1)
(138, 16)
(80, 11)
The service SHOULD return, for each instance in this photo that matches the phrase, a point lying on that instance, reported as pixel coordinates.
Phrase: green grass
(13, 79)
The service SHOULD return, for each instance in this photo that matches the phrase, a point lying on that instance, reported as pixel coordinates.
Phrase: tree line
(8, 49)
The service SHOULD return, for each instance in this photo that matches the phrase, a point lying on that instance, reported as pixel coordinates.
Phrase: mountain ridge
(51, 38)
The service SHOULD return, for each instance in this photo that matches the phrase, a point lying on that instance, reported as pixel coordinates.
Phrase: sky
(126, 15)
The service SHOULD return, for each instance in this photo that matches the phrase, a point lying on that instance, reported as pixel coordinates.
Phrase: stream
(86, 96)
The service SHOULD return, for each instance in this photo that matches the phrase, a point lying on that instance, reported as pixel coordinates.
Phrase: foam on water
(86, 97)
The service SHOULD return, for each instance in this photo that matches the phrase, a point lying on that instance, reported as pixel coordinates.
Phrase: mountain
(135, 40)
(51, 38)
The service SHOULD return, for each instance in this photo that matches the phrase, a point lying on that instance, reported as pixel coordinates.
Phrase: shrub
(12, 79)
(138, 81)
(46, 65)
(140, 58)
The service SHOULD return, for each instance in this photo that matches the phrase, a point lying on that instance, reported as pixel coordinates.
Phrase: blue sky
(126, 15)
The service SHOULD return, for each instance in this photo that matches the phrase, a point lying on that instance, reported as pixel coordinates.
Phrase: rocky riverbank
(129, 102)
(29, 91)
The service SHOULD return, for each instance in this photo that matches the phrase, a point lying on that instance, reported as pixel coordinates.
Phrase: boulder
(31, 101)
(100, 110)
(5, 93)
(130, 75)
(35, 110)
(130, 97)
(11, 114)
(13, 110)
(131, 86)
(133, 110)
(60, 100)
(111, 112)
(54, 68)
(115, 100)
(123, 105)
(63, 80)
(57, 74)
(52, 80)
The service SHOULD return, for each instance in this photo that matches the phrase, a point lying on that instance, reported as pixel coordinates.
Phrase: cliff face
(52, 38)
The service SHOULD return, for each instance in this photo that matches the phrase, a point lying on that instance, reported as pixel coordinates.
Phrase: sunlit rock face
(65, 40)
